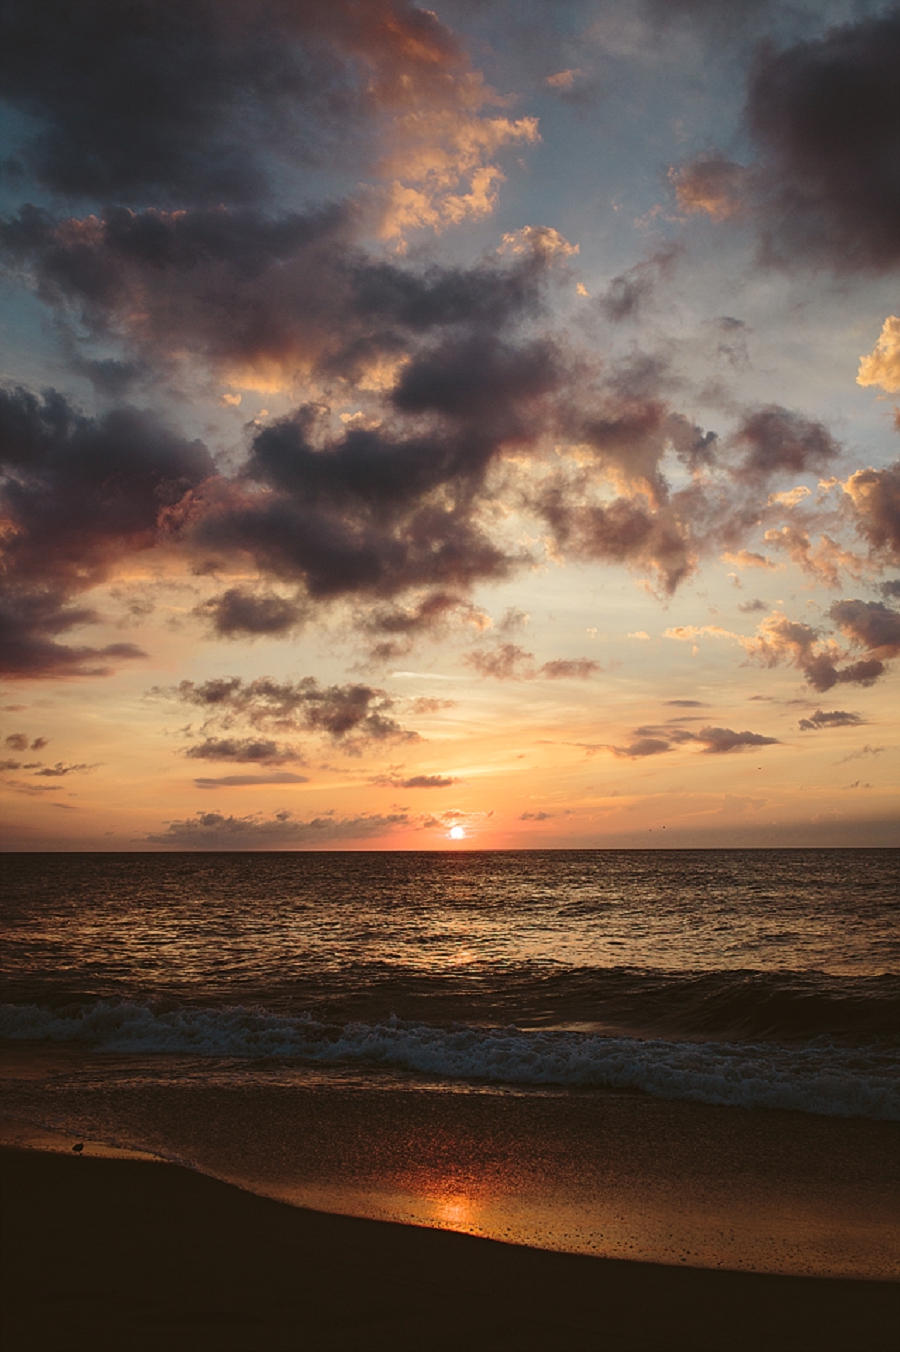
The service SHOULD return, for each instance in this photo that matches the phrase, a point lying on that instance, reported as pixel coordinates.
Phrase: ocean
(681, 1056)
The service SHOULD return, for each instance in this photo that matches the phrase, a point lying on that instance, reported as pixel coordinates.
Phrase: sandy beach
(121, 1254)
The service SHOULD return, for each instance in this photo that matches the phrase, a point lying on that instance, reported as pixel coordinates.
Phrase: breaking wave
(818, 1077)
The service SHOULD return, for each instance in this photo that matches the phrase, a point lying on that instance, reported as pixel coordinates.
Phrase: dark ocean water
(759, 979)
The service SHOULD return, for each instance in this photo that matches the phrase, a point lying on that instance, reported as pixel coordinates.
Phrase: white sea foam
(816, 1078)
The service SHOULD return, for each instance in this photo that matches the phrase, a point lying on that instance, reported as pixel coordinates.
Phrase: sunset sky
(482, 420)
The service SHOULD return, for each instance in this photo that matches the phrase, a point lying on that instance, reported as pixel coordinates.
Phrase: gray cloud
(240, 613)
(510, 662)
(354, 711)
(779, 440)
(79, 494)
(246, 781)
(644, 746)
(719, 741)
(214, 831)
(262, 751)
(415, 781)
(836, 718)
(870, 624)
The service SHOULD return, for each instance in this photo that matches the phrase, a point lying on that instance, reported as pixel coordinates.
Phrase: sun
(457, 833)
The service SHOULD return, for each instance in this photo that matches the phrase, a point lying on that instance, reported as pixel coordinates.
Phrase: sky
(470, 428)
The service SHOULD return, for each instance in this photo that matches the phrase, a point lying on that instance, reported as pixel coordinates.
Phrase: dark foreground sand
(119, 1254)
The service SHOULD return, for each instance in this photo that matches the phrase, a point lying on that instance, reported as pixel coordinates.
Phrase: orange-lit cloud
(882, 366)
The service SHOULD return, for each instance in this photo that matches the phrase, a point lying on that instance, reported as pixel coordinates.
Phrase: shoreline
(103, 1253)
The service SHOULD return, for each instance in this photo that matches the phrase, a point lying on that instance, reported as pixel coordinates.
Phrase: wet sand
(131, 1255)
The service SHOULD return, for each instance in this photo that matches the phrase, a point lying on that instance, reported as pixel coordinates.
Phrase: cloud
(836, 718)
(510, 662)
(17, 741)
(713, 184)
(261, 299)
(644, 746)
(882, 366)
(428, 704)
(246, 781)
(240, 613)
(243, 750)
(61, 768)
(354, 712)
(206, 103)
(571, 668)
(652, 741)
(718, 741)
(780, 640)
(826, 115)
(506, 662)
(415, 781)
(79, 494)
(625, 531)
(780, 441)
(827, 561)
(875, 499)
(863, 751)
(535, 816)
(214, 831)
(869, 624)
(628, 294)
(686, 703)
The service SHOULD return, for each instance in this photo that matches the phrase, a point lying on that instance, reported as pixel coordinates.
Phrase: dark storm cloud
(373, 511)
(352, 711)
(199, 100)
(78, 494)
(835, 718)
(262, 751)
(29, 649)
(214, 831)
(370, 512)
(826, 114)
(779, 440)
(244, 291)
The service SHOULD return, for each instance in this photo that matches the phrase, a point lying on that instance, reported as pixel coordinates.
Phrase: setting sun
(456, 833)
